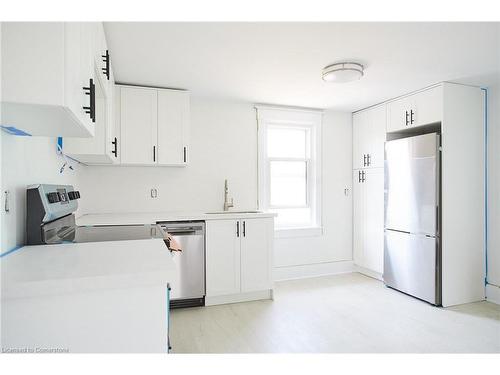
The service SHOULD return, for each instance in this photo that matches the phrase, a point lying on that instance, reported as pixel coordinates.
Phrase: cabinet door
(256, 245)
(376, 136)
(398, 114)
(78, 70)
(173, 121)
(222, 257)
(428, 106)
(358, 217)
(358, 142)
(138, 125)
(373, 220)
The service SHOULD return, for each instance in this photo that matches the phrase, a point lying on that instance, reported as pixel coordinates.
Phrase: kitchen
(278, 200)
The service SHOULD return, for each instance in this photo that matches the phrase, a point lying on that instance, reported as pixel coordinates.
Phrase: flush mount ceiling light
(342, 72)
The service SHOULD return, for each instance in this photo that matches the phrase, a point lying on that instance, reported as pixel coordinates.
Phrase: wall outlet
(154, 193)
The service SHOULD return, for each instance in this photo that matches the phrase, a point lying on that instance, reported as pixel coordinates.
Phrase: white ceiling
(280, 63)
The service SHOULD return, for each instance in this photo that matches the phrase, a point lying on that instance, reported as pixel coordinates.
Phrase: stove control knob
(53, 197)
(74, 195)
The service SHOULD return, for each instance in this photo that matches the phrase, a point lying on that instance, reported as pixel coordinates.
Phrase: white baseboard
(367, 272)
(493, 293)
(312, 270)
(241, 297)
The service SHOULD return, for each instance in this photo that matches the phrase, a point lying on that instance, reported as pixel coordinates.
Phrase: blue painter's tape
(14, 131)
(486, 185)
(10, 251)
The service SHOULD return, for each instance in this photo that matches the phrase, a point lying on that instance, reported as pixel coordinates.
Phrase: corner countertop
(41, 270)
(154, 217)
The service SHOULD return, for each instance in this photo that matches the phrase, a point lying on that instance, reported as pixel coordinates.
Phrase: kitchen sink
(232, 212)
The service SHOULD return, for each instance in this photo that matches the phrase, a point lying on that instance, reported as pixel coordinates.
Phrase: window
(289, 166)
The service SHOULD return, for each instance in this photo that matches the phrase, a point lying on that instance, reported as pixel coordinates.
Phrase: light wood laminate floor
(341, 313)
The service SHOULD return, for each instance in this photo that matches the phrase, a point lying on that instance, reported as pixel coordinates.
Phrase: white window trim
(312, 119)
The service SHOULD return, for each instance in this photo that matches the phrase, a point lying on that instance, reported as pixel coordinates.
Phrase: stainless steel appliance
(412, 251)
(50, 219)
(188, 288)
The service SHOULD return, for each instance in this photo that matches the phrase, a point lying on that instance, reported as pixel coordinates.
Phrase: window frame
(311, 121)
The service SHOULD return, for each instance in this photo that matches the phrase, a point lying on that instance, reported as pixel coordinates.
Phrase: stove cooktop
(79, 234)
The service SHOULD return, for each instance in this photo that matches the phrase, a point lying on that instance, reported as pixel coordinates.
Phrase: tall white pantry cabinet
(458, 113)
(368, 190)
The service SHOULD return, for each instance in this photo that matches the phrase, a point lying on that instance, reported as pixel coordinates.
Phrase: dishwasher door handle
(179, 232)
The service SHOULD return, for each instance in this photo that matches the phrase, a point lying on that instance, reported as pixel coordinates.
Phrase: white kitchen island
(87, 297)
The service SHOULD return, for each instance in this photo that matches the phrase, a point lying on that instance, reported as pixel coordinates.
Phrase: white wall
(336, 242)
(26, 161)
(224, 145)
(494, 185)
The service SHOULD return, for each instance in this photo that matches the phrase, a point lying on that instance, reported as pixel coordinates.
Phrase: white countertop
(77, 267)
(154, 217)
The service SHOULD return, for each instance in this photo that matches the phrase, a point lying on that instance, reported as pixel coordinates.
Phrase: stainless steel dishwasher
(188, 288)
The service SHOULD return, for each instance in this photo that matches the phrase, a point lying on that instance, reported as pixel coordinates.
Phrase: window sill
(298, 232)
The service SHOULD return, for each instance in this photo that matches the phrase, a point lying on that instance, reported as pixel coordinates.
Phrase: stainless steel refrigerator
(412, 251)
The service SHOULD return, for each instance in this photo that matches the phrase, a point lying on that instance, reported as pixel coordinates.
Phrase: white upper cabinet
(369, 137)
(138, 125)
(422, 108)
(46, 78)
(103, 147)
(154, 126)
(173, 127)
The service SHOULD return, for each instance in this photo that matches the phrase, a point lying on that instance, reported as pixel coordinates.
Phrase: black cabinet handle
(359, 176)
(364, 160)
(368, 160)
(237, 229)
(90, 91)
(244, 229)
(105, 59)
(115, 147)
(185, 158)
(154, 153)
(411, 116)
(406, 117)
(363, 176)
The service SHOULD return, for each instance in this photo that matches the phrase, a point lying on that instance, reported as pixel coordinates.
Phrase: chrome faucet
(227, 204)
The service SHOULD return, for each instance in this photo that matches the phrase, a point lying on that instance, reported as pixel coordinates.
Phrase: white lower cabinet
(368, 219)
(239, 257)
(222, 257)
